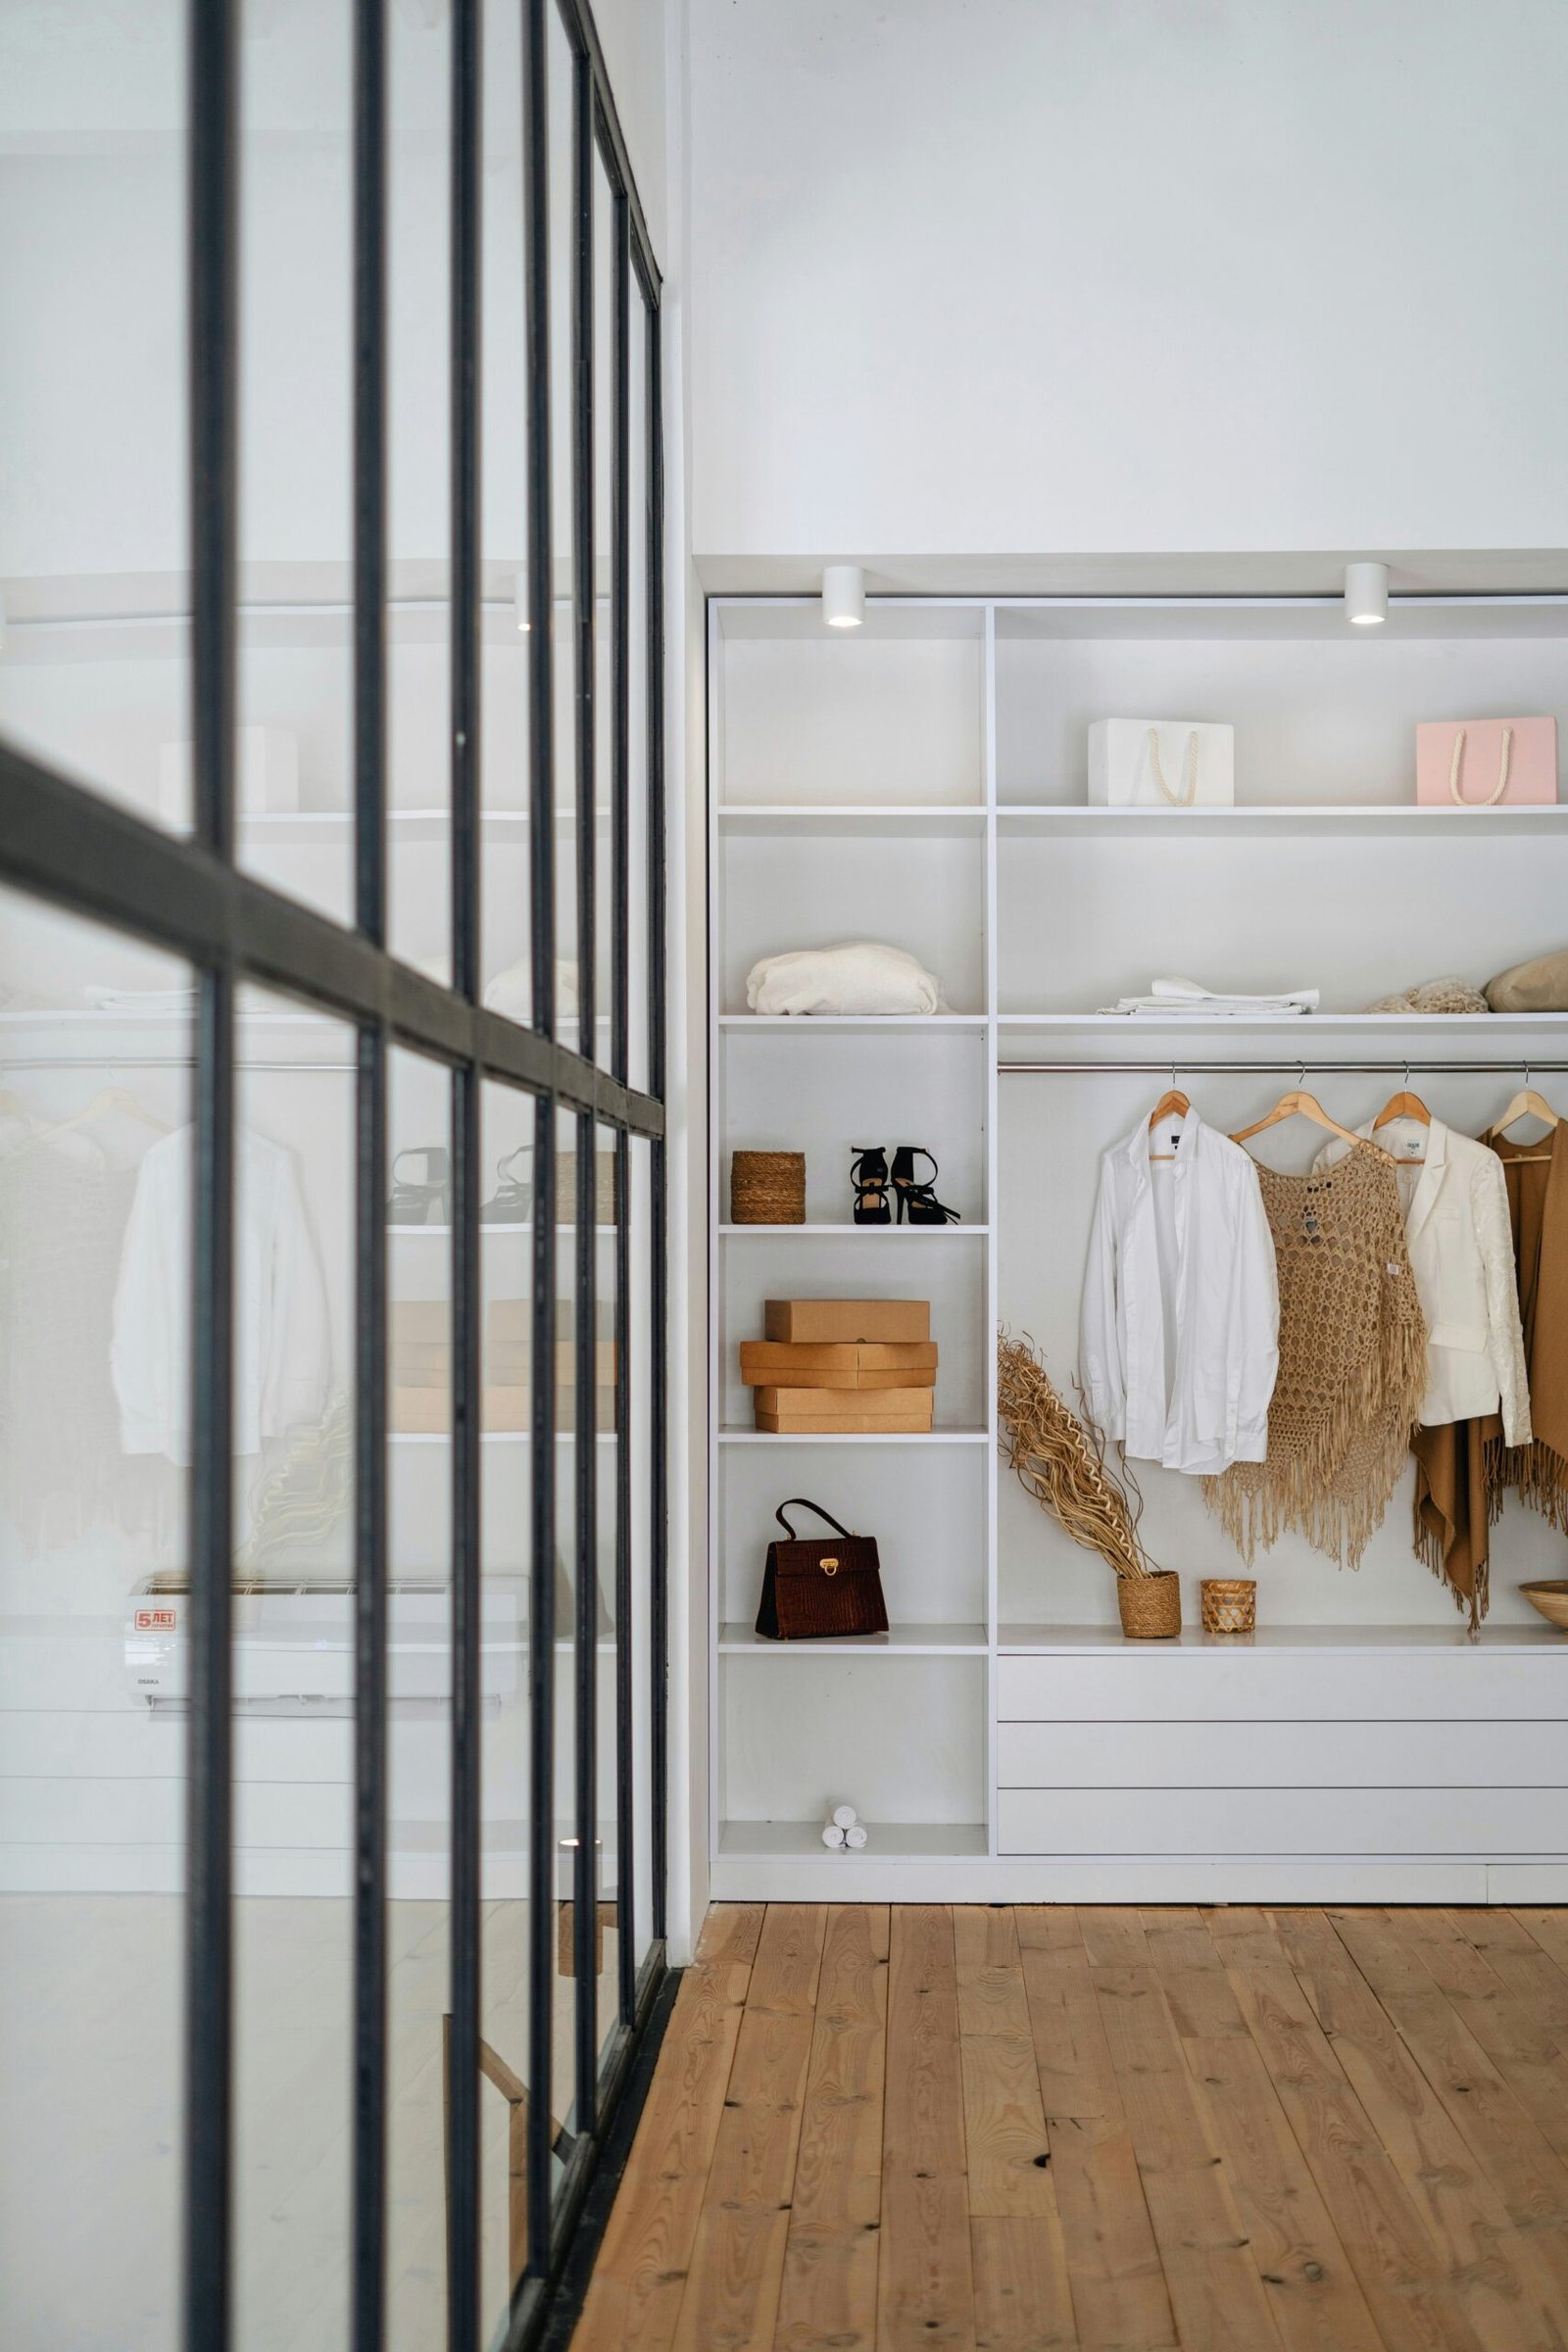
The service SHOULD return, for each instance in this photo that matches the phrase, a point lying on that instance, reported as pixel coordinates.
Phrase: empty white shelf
(900, 1641)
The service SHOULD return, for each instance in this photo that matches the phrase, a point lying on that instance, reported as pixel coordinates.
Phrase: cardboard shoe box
(873, 1364)
(836, 1322)
(841, 1412)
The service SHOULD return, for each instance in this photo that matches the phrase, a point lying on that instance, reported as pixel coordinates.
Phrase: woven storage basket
(1229, 1604)
(767, 1188)
(1150, 1605)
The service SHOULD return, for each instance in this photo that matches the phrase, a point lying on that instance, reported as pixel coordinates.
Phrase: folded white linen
(859, 976)
(1178, 992)
(1149, 1009)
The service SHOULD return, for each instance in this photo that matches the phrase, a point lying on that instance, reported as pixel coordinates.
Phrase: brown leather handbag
(822, 1590)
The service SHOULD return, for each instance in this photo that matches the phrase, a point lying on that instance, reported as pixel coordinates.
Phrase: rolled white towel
(833, 1837)
(845, 1815)
(861, 976)
(855, 1836)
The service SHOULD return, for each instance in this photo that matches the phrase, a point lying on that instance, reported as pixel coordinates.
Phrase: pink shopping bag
(1486, 762)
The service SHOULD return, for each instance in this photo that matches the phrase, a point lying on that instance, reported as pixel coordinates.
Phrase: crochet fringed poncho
(1351, 1369)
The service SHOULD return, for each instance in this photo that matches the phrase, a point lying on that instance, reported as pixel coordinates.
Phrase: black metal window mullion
(212, 196)
(463, 2057)
(370, 1602)
(658, 1202)
(585, 1450)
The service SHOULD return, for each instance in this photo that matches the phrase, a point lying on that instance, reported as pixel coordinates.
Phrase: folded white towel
(861, 976)
(1189, 991)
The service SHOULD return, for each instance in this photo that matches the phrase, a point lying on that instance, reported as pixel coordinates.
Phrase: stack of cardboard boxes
(853, 1367)
(422, 1367)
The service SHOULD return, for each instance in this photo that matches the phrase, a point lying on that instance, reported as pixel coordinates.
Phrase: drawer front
(1273, 1686)
(1282, 1755)
(1274, 1822)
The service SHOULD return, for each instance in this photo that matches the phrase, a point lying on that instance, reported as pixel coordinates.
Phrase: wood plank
(1529, 2056)
(1020, 2271)
(1398, 2269)
(1462, 2215)
(1119, 2298)
(737, 2265)
(828, 2294)
(1548, 1925)
(1216, 2293)
(1312, 2290)
(1021, 2302)
(1512, 2153)
(635, 2296)
(1521, 1963)
(925, 2282)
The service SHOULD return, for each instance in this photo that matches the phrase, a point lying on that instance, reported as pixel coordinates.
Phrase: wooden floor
(1225, 2130)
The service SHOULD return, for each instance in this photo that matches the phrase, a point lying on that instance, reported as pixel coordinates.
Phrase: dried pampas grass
(1062, 1462)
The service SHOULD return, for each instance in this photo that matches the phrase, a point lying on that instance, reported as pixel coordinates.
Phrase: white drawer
(1160, 1685)
(1486, 1822)
(1282, 1755)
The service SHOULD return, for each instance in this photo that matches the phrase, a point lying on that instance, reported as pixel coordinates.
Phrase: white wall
(1162, 276)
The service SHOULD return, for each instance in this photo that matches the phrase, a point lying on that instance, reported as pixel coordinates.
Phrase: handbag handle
(1501, 785)
(803, 1503)
(1188, 791)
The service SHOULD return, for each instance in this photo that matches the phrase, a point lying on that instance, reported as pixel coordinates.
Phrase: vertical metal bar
(621, 611)
(542, 887)
(209, 1766)
(585, 1448)
(658, 982)
(620, 1013)
(370, 1162)
(463, 2088)
(212, 197)
(625, 1752)
(462, 2220)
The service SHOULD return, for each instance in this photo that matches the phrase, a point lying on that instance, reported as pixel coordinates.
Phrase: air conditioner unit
(294, 1642)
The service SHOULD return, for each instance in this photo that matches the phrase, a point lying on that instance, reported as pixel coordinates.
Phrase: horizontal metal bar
(1271, 1069)
(87, 854)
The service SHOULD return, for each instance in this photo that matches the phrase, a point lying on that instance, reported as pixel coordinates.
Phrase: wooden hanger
(1297, 1103)
(1172, 1103)
(1403, 1105)
(1527, 1104)
(109, 1100)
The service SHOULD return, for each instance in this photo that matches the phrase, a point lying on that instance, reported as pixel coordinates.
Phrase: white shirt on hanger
(1179, 1330)
(282, 1349)
(1456, 1226)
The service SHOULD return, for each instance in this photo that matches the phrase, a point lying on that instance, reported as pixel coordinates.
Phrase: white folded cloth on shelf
(148, 1000)
(1171, 995)
(861, 976)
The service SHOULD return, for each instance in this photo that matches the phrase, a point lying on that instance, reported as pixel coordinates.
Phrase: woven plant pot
(1150, 1605)
(767, 1188)
(1229, 1604)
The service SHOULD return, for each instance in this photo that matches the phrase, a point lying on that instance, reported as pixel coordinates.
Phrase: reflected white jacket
(1195, 1288)
(282, 1348)
(1461, 1253)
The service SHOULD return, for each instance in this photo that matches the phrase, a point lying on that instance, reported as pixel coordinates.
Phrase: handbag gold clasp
(829, 1563)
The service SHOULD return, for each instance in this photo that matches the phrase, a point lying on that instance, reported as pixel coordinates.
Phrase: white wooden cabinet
(922, 780)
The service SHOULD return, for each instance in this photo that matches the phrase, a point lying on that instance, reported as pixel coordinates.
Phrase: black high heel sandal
(869, 1173)
(412, 1204)
(917, 1201)
(513, 1201)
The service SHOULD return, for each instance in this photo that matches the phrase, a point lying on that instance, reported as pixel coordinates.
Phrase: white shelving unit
(922, 780)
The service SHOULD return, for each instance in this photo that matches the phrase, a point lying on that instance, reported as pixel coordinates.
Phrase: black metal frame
(94, 860)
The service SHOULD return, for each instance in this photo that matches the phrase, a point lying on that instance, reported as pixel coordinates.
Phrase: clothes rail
(1275, 1069)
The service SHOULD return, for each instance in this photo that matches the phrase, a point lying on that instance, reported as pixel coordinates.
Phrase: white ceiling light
(519, 598)
(843, 595)
(1366, 593)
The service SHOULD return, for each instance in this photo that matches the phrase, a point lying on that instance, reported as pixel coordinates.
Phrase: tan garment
(1352, 1363)
(1537, 1176)
(1457, 1501)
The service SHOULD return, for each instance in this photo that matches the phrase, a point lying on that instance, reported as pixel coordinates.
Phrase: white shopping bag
(1161, 763)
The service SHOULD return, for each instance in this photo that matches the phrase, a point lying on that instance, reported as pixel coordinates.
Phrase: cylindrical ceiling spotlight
(1366, 593)
(843, 595)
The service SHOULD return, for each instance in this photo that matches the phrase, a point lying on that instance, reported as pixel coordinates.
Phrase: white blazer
(1179, 1334)
(1462, 1253)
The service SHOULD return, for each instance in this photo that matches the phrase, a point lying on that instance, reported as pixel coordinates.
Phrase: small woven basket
(767, 1188)
(1229, 1604)
(1150, 1605)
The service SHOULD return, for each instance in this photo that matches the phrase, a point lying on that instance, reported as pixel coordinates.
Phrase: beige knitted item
(1434, 995)
(1352, 1363)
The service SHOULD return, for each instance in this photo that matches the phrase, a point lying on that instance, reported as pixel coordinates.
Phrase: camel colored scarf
(1352, 1363)
(1537, 1204)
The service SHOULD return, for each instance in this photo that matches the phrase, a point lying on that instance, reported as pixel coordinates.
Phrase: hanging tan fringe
(1062, 1461)
(1336, 1444)
(1535, 1473)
